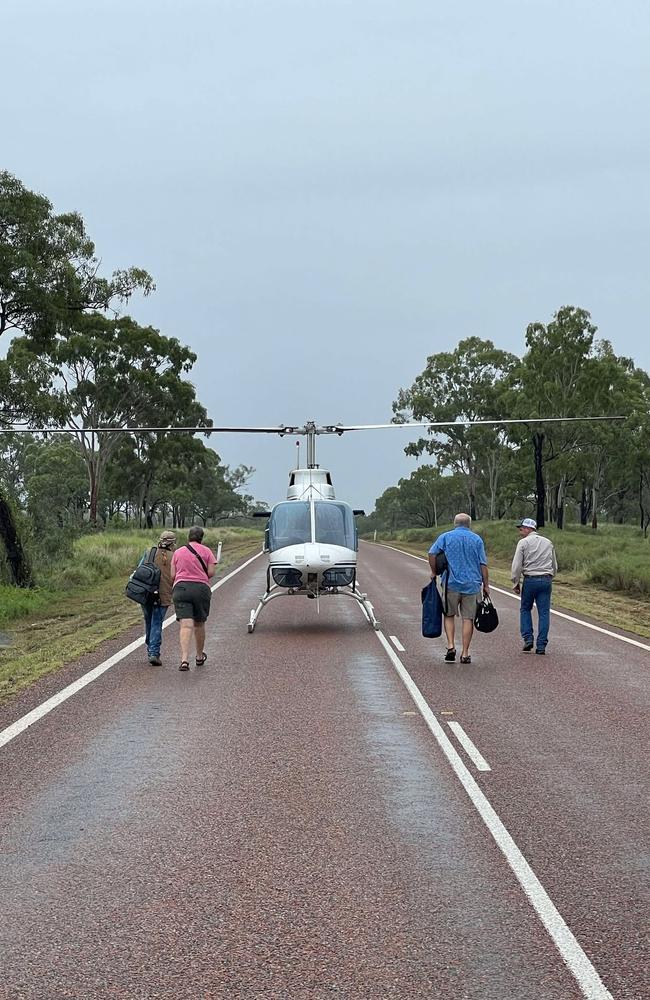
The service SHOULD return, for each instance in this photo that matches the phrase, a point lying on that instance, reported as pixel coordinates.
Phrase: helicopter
(311, 537)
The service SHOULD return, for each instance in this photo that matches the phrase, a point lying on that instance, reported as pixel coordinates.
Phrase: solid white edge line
(28, 720)
(397, 644)
(572, 954)
(560, 614)
(469, 747)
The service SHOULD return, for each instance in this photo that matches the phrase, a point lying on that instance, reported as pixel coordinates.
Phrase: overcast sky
(328, 191)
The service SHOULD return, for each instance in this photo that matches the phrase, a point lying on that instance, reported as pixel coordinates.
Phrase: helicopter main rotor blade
(340, 429)
(151, 430)
(304, 430)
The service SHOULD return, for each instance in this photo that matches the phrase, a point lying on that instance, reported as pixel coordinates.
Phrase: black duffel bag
(486, 618)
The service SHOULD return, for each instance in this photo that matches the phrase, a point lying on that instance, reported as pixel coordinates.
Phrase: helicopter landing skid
(361, 599)
(366, 607)
(264, 599)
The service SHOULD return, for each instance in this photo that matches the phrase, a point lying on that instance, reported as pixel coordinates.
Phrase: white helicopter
(311, 536)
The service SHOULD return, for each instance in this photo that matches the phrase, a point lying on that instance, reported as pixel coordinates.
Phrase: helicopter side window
(335, 524)
(289, 524)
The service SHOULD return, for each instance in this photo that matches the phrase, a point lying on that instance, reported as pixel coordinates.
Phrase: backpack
(144, 582)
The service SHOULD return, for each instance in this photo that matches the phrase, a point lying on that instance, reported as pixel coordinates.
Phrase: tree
(463, 385)
(49, 275)
(424, 499)
(616, 389)
(552, 381)
(106, 373)
(49, 272)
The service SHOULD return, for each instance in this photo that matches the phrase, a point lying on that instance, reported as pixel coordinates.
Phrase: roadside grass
(83, 604)
(604, 575)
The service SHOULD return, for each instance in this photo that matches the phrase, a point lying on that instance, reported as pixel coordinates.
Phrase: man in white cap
(535, 560)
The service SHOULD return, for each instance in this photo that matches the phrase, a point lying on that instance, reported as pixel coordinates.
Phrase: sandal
(184, 665)
(466, 659)
(450, 655)
(200, 660)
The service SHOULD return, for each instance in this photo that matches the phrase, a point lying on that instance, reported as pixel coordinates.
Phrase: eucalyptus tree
(49, 276)
(49, 271)
(56, 485)
(107, 373)
(463, 385)
(553, 380)
(217, 497)
(567, 373)
(616, 388)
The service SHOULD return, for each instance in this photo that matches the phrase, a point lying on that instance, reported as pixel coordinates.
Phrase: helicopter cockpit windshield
(334, 524)
(291, 524)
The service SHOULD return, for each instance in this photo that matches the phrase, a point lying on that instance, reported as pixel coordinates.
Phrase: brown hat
(167, 539)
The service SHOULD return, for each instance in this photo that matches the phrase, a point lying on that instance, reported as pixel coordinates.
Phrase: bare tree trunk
(594, 512)
(584, 505)
(21, 571)
(540, 489)
(559, 511)
(94, 494)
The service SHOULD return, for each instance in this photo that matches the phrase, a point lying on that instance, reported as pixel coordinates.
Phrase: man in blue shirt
(466, 572)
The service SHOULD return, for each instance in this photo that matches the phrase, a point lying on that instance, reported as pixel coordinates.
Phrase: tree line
(76, 362)
(584, 470)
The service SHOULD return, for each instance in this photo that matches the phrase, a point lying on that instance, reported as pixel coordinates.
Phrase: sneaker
(466, 659)
(450, 655)
(155, 661)
(527, 647)
(540, 652)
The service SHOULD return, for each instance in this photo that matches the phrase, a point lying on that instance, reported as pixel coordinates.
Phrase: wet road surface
(281, 822)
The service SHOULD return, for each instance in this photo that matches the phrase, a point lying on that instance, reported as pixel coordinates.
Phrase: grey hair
(463, 519)
(195, 534)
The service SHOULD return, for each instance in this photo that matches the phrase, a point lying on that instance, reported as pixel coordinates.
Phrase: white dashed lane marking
(469, 748)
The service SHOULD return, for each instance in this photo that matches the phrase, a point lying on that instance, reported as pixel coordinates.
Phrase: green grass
(82, 604)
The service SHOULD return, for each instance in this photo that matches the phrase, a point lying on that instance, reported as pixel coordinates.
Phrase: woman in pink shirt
(193, 566)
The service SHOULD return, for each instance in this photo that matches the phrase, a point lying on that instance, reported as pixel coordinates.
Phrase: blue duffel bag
(431, 611)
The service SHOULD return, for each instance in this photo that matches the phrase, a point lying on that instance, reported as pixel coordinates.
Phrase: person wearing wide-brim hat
(536, 562)
(155, 611)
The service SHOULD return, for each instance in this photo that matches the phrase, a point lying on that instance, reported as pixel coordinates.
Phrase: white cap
(527, 523)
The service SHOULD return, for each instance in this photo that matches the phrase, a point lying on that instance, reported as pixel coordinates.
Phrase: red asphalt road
(281, 823)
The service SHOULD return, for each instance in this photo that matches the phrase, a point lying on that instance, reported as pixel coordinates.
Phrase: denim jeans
(153, 618)
(536, 590)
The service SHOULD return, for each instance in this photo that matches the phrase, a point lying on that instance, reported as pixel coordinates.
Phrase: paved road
(283, 823)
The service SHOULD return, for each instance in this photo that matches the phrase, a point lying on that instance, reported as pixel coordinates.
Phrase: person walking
(193, 566)
(535, 560)
(467, 573)
(154, 611)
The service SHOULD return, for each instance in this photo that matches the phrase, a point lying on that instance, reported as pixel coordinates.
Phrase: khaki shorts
(466, 602)
(192, 600)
